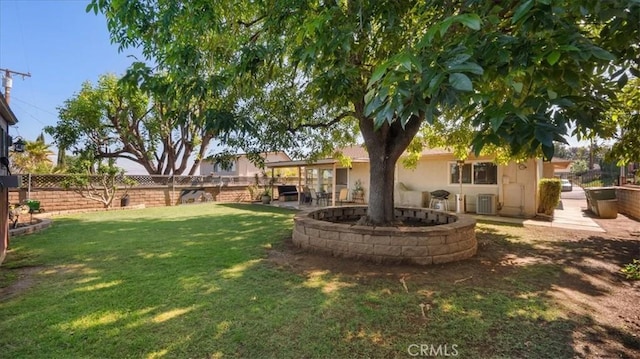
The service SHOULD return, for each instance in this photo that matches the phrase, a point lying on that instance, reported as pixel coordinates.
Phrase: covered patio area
(326, 177)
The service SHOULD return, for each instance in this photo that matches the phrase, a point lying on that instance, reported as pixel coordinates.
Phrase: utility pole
(7, 82)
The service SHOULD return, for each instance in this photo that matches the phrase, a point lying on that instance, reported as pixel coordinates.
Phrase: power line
(36, 107)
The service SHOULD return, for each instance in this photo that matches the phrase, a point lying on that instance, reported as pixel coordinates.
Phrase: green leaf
(467, 67)
(460, 82)
(602, 54)
(548, 152)
(378, 73)
(552, 94)
(517, 86)
(405, 60)
(553, 57)
(543, 135)
(458, 59)
(522, 10)
(471, 21)
(444, 26)
(496, 122)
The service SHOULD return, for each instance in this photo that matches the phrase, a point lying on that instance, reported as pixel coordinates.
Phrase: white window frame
(473, 174)
(217, 168)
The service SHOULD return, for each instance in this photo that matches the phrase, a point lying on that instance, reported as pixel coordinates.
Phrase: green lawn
(195, 282)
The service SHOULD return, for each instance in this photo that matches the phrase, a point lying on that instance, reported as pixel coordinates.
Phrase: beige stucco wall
(515, 191)
(244, 167)
(360, 171)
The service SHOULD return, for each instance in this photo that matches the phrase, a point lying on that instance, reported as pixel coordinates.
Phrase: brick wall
(629, 201)
(53, 200)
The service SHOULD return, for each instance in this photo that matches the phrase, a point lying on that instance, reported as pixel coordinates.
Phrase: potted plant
(358, 192)
(267, 188)
(266, 196)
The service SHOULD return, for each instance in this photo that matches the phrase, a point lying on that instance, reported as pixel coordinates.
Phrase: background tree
(519, 72)
(35, 158)
(97, 180)
(117, 119)
(625, 115)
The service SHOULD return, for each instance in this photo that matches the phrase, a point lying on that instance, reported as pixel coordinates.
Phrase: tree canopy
(519, 74)
(156, 126)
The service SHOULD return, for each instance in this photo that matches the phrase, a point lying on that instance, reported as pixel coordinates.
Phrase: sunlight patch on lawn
(317, 279)
(238, 270)
(87, 280)
(198, 284)
(168, 315)
(70, 268)
(158, 354)
(374, 337)
(222, 328)
(145, 255)
(94, 320)
(98, 286)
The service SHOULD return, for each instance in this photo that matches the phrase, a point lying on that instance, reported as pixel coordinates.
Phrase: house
(7, 118)
(486, 187)
(241, 166)
(557, 167)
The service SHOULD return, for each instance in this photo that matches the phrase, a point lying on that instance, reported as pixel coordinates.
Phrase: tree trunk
(385, 146)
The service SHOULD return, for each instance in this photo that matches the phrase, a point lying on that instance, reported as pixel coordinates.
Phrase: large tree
(160, 126)
(518, 72)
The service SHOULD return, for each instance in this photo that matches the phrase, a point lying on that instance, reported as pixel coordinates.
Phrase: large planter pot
(266, 199)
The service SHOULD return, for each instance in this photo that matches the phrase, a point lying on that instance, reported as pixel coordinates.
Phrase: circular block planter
(439, 237)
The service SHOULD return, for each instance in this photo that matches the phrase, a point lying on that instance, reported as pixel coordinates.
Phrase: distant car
(566, 185)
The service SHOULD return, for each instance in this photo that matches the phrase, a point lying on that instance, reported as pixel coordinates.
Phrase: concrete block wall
(53, 200)
(629, 201)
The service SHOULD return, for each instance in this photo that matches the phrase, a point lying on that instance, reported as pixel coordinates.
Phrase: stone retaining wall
(449, 237)
(629, 201)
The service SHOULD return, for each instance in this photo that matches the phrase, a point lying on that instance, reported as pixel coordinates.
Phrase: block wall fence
(629, 201)
(54, 199)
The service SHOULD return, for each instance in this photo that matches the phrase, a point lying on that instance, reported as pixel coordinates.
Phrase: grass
(194, 282)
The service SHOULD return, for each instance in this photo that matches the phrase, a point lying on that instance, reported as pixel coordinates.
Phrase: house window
(224, 167)
(474, 173)
(455, 173)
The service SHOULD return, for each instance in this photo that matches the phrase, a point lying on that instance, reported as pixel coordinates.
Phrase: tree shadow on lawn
(210, 293)
(572, 276)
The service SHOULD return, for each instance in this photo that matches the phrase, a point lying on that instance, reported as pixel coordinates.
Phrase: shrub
(632, 270)
(549, 195)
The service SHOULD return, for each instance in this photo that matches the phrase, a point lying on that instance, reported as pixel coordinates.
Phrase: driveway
(576, 194)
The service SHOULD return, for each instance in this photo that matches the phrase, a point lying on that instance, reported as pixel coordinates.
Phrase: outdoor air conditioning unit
(486, 204)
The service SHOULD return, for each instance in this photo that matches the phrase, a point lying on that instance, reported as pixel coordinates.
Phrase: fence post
(29, 186)
(173, 189)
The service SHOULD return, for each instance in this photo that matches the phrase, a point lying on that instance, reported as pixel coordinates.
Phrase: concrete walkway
(569, 215)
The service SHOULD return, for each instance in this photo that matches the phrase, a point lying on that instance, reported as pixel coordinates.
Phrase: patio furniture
(409, 197)
(343, 197)
(319, 198)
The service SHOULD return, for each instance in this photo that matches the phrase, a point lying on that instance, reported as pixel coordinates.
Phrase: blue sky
(61, 46)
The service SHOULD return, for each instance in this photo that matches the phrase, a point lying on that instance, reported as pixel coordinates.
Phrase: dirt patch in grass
(576, 273)
(20, 279)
